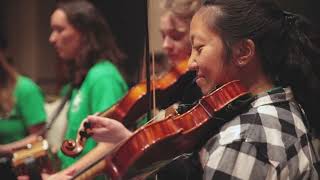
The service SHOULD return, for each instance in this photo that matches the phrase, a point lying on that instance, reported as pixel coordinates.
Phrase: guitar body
(34, 157)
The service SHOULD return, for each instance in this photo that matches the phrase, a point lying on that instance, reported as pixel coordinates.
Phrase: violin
(155, 144)
(133, 105)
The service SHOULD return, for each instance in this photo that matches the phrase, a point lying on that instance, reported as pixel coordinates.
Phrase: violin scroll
(74, 148)
(70, 148)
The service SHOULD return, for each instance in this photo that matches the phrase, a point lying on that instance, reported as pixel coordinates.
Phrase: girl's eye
(177, 36)
(58, 29)
(198, 48)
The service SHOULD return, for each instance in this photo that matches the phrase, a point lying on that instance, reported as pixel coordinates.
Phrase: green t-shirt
(28, 111)
(102, 87)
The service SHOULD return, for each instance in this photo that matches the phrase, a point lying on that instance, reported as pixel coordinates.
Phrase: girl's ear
(243, 52)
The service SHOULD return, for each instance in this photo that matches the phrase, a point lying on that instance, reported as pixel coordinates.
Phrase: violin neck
(106, 112)
(98, 165)
(92, 171)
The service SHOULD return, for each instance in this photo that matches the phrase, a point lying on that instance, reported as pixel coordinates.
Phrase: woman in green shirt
(22, 114)
(82, 38)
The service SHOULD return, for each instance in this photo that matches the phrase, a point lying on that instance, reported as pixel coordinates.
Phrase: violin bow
(147, 61)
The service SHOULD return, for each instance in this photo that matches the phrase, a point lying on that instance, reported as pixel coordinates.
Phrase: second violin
(133, 105)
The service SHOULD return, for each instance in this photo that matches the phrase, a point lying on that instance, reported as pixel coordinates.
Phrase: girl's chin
(206, 91)
(204, 86)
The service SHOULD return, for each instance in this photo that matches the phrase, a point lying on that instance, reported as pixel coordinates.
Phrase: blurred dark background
(26, 27)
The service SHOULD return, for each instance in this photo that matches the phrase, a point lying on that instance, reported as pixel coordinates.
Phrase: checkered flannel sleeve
(244, 160)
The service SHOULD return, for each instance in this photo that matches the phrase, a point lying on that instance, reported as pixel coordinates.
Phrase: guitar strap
(59, 109)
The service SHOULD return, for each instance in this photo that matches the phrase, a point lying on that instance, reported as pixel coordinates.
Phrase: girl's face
(64, 37)
(175, 35)
(208, 56)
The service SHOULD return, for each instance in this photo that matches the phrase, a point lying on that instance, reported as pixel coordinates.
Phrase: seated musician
(84, 40)
(268, 50)
(22, 114)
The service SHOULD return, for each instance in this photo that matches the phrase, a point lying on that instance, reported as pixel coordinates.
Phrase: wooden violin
(133, 105)
(155, 143)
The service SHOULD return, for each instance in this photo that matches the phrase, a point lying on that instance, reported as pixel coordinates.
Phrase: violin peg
(87, 125)
(84, 134)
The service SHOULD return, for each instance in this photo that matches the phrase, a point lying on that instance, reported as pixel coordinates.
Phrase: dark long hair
(8, 79)
(282, 41)
(97, 39)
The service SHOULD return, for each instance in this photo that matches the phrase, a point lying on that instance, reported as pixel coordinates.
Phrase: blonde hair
(183, 9)
(8, 79)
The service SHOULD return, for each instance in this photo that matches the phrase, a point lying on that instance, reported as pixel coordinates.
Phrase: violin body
(154, 145)
(151, 145)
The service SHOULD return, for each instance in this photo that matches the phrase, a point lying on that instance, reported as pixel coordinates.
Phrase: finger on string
(94, 120)
(97, 121)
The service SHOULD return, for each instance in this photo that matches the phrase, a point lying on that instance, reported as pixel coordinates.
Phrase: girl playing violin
(269, 51)
(174, 28)
(82, 38)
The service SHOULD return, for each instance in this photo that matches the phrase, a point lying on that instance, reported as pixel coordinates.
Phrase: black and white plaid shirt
(267, 142)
